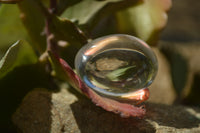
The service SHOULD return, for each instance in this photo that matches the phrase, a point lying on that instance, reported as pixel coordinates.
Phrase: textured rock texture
(42, 111)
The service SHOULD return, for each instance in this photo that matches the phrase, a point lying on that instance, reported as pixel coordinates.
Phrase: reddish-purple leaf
(124, 109)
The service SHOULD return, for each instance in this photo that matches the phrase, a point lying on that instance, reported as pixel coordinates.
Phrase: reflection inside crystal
(116, 65)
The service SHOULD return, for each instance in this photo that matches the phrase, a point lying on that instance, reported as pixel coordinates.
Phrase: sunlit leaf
(144, 20)
(87, 13)
(85, 10)
(18, 54)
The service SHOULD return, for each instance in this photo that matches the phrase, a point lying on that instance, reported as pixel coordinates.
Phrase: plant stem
(51, 42)
(53, 6)
(42, 8)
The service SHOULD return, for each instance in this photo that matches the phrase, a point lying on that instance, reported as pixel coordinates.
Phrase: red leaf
(124, 109)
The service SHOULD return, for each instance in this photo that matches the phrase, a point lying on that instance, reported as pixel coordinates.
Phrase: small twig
(51, 42)
(48, 33)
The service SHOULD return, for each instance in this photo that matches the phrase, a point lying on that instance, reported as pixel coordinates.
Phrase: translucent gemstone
(116, 65)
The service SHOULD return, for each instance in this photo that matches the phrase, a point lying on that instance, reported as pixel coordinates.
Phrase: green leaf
(11, 28)
(33, 20)
(58, 69)
(87, 13)
(64, 29)
(18, 54)
(144, 20)
(63, 4)
(85, 10)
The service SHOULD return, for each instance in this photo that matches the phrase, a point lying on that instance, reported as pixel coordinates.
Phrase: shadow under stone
(93, 119)
(172, 116)
(13, 87)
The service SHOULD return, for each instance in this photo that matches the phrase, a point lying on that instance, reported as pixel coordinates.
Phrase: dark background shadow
(14, 87)
(34, 113)
(91, 118)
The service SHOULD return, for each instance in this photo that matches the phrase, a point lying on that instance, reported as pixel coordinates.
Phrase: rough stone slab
(42, 112)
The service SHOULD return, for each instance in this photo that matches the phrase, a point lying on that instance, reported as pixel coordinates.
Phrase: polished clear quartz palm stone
(117, 64)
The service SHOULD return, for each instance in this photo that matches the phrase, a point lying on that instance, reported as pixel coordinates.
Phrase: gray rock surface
(69, 112)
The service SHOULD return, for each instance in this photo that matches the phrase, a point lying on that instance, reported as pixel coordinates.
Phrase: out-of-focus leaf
(85, 10)
(11, 28)
(87, 13)
(18, 54)
(10, 1)
(63, 4)
(33, 20)
(144, 20)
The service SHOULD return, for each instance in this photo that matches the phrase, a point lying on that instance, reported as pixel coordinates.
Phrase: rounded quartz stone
(117, 64)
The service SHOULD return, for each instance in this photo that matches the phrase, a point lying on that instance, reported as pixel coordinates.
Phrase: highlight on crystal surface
(116, 65)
